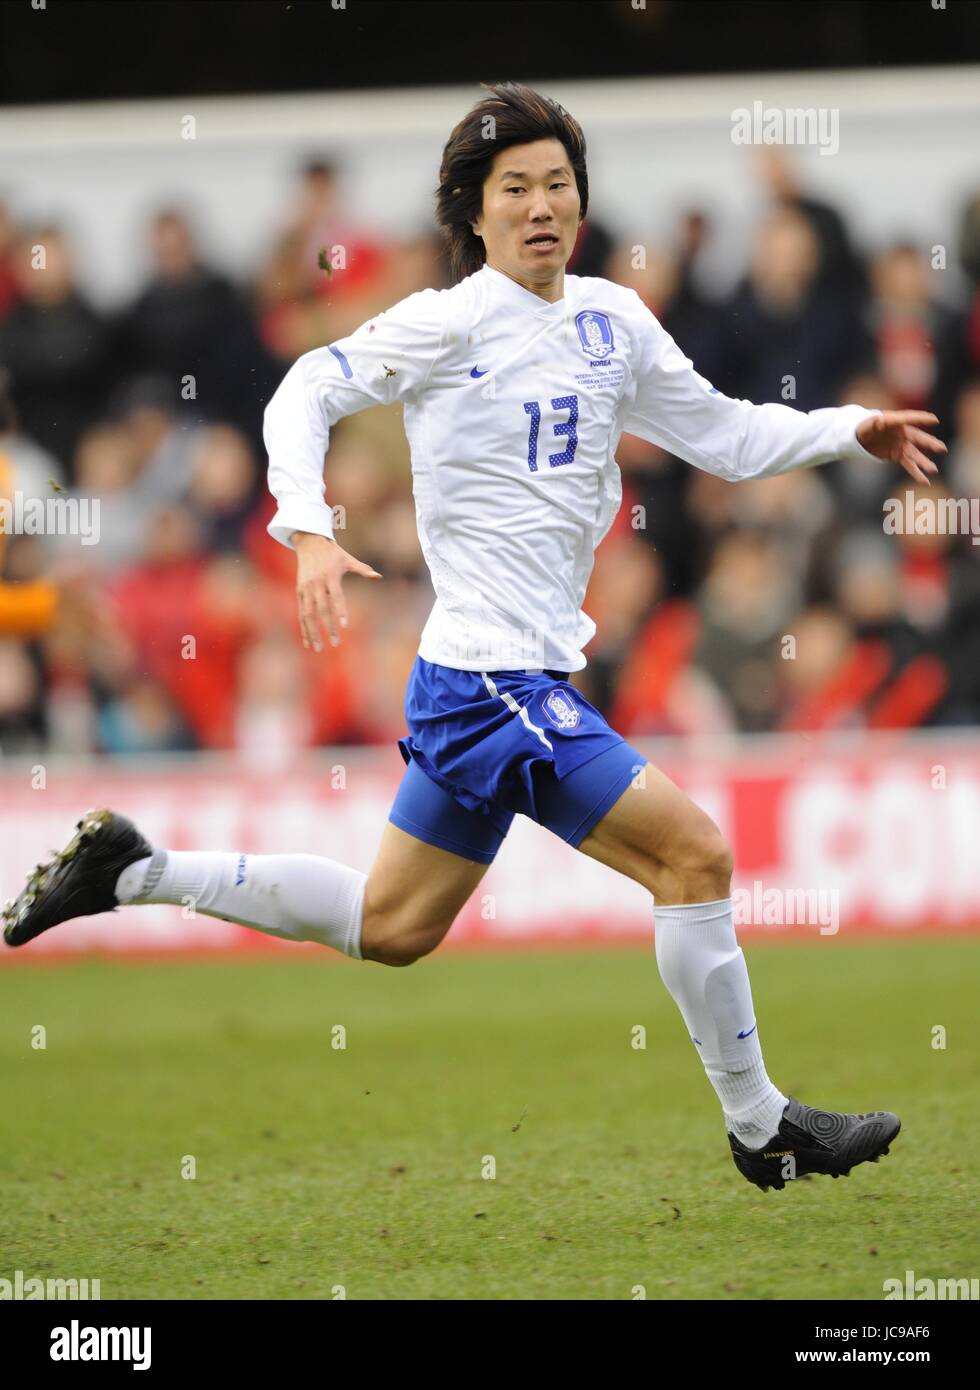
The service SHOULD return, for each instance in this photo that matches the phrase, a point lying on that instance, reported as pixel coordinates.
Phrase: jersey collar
(502, 287)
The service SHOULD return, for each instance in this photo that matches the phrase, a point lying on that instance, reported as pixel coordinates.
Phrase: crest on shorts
(595, 331)
(560, 710)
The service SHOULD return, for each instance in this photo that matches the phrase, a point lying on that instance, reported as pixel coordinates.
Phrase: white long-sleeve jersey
(513, 411)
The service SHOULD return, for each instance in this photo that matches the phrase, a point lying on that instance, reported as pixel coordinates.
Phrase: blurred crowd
(780, 604)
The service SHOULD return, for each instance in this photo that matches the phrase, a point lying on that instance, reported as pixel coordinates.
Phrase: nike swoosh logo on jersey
(475, 372)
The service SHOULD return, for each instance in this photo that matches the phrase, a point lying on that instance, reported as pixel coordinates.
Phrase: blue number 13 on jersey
(564, 427)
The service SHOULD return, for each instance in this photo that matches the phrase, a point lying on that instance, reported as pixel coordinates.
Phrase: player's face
(531, 214)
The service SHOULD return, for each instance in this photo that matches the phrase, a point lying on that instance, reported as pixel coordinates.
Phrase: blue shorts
(485, 745)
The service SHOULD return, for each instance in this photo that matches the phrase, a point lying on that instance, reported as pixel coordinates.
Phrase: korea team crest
(560, 710)
(595, 333)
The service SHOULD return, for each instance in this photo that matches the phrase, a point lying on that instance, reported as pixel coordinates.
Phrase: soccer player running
(517, 383)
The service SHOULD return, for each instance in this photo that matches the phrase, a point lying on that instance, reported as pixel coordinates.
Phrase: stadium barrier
(831, 837)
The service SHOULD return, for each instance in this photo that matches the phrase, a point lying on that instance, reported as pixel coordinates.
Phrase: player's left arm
(678, 409)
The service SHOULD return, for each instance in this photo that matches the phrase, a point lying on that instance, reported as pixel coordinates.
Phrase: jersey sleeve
(678, 409)
(387, 359)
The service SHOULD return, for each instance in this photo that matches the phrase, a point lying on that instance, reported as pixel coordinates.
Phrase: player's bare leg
(656, 835)
(395, 914)
(413, 895)
(659, 837)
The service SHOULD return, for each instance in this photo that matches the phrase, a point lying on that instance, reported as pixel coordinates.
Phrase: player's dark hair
(511, 114)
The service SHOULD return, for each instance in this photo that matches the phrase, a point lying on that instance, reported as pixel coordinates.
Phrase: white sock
(702, 965)
(300, 897)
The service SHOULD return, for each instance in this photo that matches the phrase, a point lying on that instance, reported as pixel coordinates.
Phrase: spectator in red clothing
(9, 293)
(322, 223)
(906, 322)
(827, 675)
(303, 304)
(291, 319)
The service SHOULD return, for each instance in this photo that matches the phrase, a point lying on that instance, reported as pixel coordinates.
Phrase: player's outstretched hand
(895, 435)
(320, 566)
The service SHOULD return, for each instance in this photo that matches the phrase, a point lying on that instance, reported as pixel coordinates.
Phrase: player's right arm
(387, 359)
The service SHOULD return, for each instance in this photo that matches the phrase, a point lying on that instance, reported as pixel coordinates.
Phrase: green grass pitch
(319, 1168)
